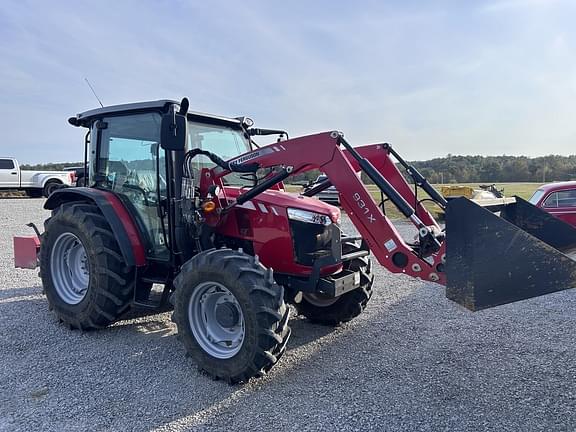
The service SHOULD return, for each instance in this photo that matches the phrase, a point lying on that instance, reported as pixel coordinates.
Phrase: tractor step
(155, 300)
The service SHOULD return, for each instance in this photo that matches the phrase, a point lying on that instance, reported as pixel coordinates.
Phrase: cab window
(225, 142)
(132, 165)
(558, 199)
(6, 164)
(536, 197)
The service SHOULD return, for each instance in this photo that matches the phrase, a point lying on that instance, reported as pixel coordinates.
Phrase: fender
(116, 215)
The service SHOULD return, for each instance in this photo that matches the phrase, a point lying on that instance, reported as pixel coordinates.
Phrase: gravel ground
(412, 361)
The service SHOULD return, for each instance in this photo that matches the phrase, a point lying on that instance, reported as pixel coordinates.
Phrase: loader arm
(490, 260)
(379, 156)
(323, 151)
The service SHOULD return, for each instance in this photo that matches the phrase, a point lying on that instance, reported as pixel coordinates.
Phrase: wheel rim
(216, 320)
(69, 268)
(319, 300)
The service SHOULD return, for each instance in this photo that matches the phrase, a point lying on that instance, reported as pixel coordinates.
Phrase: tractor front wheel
(336, 310)
(85, 278)
(230, 315)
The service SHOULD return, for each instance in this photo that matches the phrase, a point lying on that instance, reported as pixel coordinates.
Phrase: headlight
(308, 216)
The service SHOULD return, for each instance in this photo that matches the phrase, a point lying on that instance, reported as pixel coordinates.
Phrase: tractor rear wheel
(230, 315)
(336, 310)
(85, 278)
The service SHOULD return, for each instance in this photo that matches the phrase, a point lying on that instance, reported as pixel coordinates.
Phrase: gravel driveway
(412, 361)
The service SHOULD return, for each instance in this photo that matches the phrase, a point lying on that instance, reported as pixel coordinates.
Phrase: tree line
(57, 166)
(488, 169)
(498, 169)
(454, 169)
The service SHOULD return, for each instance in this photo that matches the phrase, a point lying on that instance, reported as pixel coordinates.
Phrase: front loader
(188, 202)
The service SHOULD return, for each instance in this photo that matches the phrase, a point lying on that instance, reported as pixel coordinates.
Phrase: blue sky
(432, 77)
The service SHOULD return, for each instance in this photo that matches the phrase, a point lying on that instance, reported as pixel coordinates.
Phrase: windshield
(536, 197)
(225, 142)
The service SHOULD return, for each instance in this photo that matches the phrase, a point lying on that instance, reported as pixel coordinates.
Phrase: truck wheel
(230, 315)
(336, 310)
(85, 278)
(50, 187)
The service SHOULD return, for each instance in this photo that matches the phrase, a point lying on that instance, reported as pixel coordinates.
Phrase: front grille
(311, 241)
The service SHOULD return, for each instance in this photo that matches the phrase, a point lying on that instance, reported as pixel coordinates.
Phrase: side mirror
(173, 131)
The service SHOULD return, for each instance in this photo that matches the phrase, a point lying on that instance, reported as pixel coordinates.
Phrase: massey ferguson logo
(246, 157)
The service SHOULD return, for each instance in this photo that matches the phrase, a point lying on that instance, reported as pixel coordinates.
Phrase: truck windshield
(223, 141)
(536, 197)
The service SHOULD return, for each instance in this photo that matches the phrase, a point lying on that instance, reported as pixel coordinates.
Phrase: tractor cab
(129, 159)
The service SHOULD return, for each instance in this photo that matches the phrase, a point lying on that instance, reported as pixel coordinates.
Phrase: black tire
(111, 282)
(50, 187)
(261, 300)
(334, 312)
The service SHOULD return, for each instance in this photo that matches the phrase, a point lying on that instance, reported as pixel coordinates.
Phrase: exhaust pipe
(492, 260)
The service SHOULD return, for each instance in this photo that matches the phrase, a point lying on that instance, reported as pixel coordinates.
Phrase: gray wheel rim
(215, 338)
(69, 268)
(319, 300)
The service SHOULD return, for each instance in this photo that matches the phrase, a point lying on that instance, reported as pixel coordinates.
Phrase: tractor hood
(284, 230)
(283, 199)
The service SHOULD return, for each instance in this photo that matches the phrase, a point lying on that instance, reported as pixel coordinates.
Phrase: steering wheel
(139, 189)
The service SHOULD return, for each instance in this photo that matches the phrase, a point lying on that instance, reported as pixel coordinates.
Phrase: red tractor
(189, 201)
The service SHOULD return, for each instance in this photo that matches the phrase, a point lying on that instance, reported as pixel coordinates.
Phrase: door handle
(14, 173)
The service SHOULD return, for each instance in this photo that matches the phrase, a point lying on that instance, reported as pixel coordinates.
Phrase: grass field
(523, 190)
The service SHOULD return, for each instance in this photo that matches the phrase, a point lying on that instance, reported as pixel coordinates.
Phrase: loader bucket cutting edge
(492, 260)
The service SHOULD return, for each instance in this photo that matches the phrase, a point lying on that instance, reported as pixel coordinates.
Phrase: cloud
(507, 5)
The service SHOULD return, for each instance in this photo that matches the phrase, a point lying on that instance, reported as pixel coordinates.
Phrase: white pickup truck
(34, 183)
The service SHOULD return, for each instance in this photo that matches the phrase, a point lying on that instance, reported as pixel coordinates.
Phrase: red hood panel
(288, 199)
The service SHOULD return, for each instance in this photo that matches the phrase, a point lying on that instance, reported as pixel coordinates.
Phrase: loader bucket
(492, 260)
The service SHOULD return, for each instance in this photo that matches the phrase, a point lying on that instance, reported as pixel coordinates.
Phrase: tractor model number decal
(363, 207)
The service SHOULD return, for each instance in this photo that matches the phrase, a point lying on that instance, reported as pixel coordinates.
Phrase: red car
(558, 199)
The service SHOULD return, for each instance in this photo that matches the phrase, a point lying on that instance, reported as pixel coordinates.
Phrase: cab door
(9, 174)
(132, 165)
(562, 204)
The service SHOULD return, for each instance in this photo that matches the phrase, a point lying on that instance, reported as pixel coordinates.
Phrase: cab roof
(558, 186)
(85, 118)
